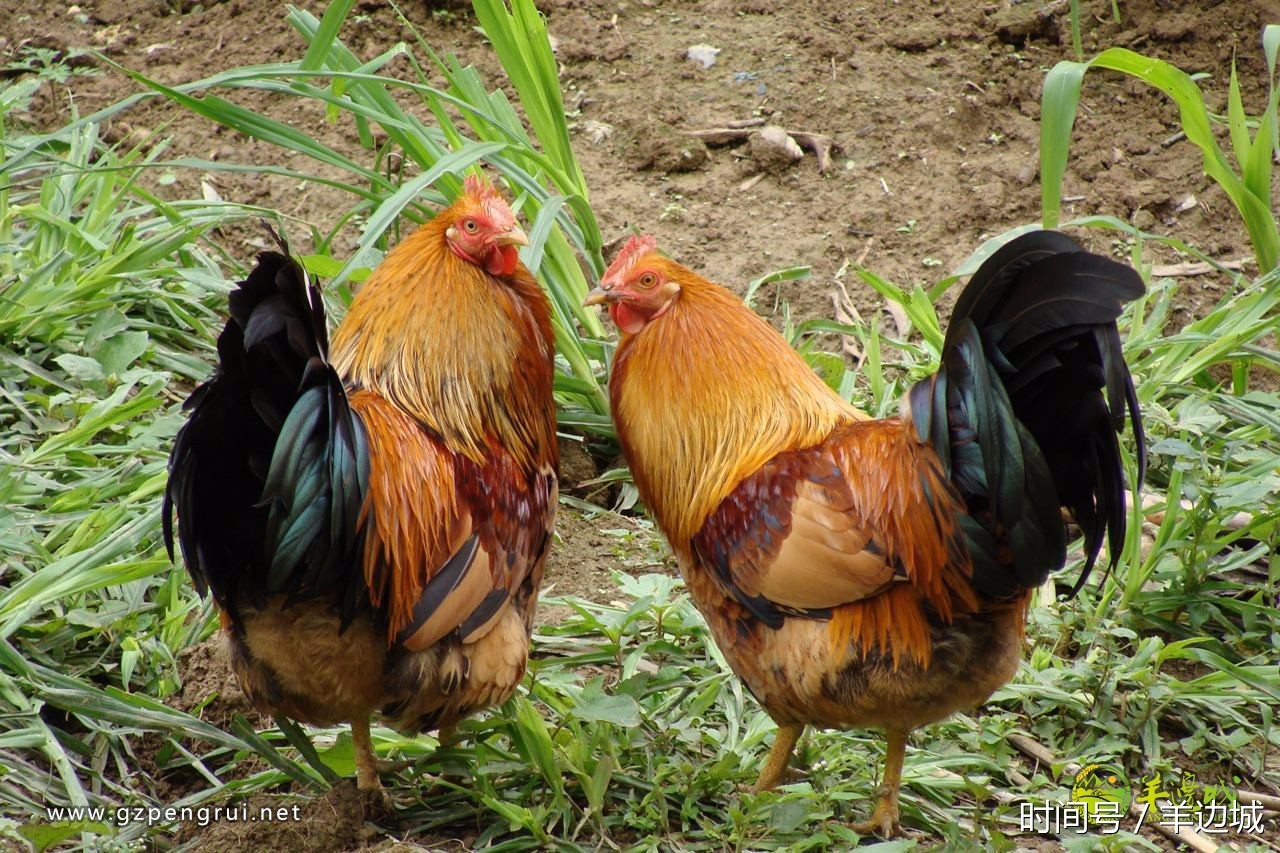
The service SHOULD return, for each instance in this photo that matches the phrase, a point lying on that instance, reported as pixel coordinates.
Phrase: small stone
(773, 149)
(597, 131)
(702, 54)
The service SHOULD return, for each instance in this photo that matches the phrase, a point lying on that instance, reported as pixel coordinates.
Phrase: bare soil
(341, 819)
(932, 109)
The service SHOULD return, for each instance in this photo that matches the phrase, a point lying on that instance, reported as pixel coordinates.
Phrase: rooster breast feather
(285, 484)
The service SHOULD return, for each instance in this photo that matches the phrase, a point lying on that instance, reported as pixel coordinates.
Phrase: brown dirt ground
(338, 820)
(933, 108)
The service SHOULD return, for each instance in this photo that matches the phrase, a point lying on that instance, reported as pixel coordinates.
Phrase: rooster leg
(884, 820)
(775, 766)
(366, 762)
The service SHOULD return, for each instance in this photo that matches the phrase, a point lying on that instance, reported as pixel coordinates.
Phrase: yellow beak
(600, 296)
(514, 237)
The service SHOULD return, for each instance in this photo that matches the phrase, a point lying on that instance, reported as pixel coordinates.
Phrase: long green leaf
(1058, 109)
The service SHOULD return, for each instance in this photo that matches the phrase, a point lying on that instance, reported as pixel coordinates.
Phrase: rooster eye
(648, 280)
(470, 226)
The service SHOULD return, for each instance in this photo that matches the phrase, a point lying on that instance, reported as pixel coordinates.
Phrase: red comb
(630, 253)
(479, 187)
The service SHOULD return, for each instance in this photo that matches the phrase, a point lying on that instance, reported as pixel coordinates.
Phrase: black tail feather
(269, 474)
(1026, 408)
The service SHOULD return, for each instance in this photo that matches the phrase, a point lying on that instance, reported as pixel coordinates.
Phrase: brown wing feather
(447, 541)
(902, 497)
(861, 529)
(515, 510)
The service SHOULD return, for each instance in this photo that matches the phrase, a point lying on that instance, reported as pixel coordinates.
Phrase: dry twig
(847, 314)
(1185, 269)
(1239, 521)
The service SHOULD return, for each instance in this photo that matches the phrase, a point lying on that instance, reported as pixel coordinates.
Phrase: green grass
(631, 733)
(420, 165)
(1255, 140)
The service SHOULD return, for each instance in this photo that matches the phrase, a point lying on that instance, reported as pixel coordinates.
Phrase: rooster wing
(836, 524)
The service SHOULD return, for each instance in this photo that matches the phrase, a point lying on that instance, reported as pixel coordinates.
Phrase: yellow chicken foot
(775, 766)
(884, 819)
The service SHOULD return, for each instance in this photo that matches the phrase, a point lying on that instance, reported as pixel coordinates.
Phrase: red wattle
(502, 260)
(627, 318)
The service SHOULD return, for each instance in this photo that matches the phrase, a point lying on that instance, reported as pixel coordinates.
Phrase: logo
(1102, 790)
(1104, 799)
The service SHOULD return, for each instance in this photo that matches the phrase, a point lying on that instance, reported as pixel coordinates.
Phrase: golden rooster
(373, 520)
(862, 572)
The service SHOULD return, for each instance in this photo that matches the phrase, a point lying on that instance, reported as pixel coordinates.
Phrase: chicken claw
(884, 818)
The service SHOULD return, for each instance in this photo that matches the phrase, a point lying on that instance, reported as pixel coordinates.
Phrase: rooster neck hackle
(715, 393)
(466, 354)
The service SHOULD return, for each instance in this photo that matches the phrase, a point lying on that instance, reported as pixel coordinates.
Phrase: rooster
(875, 573)
(372, 518)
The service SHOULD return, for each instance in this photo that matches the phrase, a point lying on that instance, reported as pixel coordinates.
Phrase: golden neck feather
(467, 355)
(706, 394)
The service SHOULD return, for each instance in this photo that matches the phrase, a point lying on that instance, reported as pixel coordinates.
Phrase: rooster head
(482, 229)
(639, 286)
